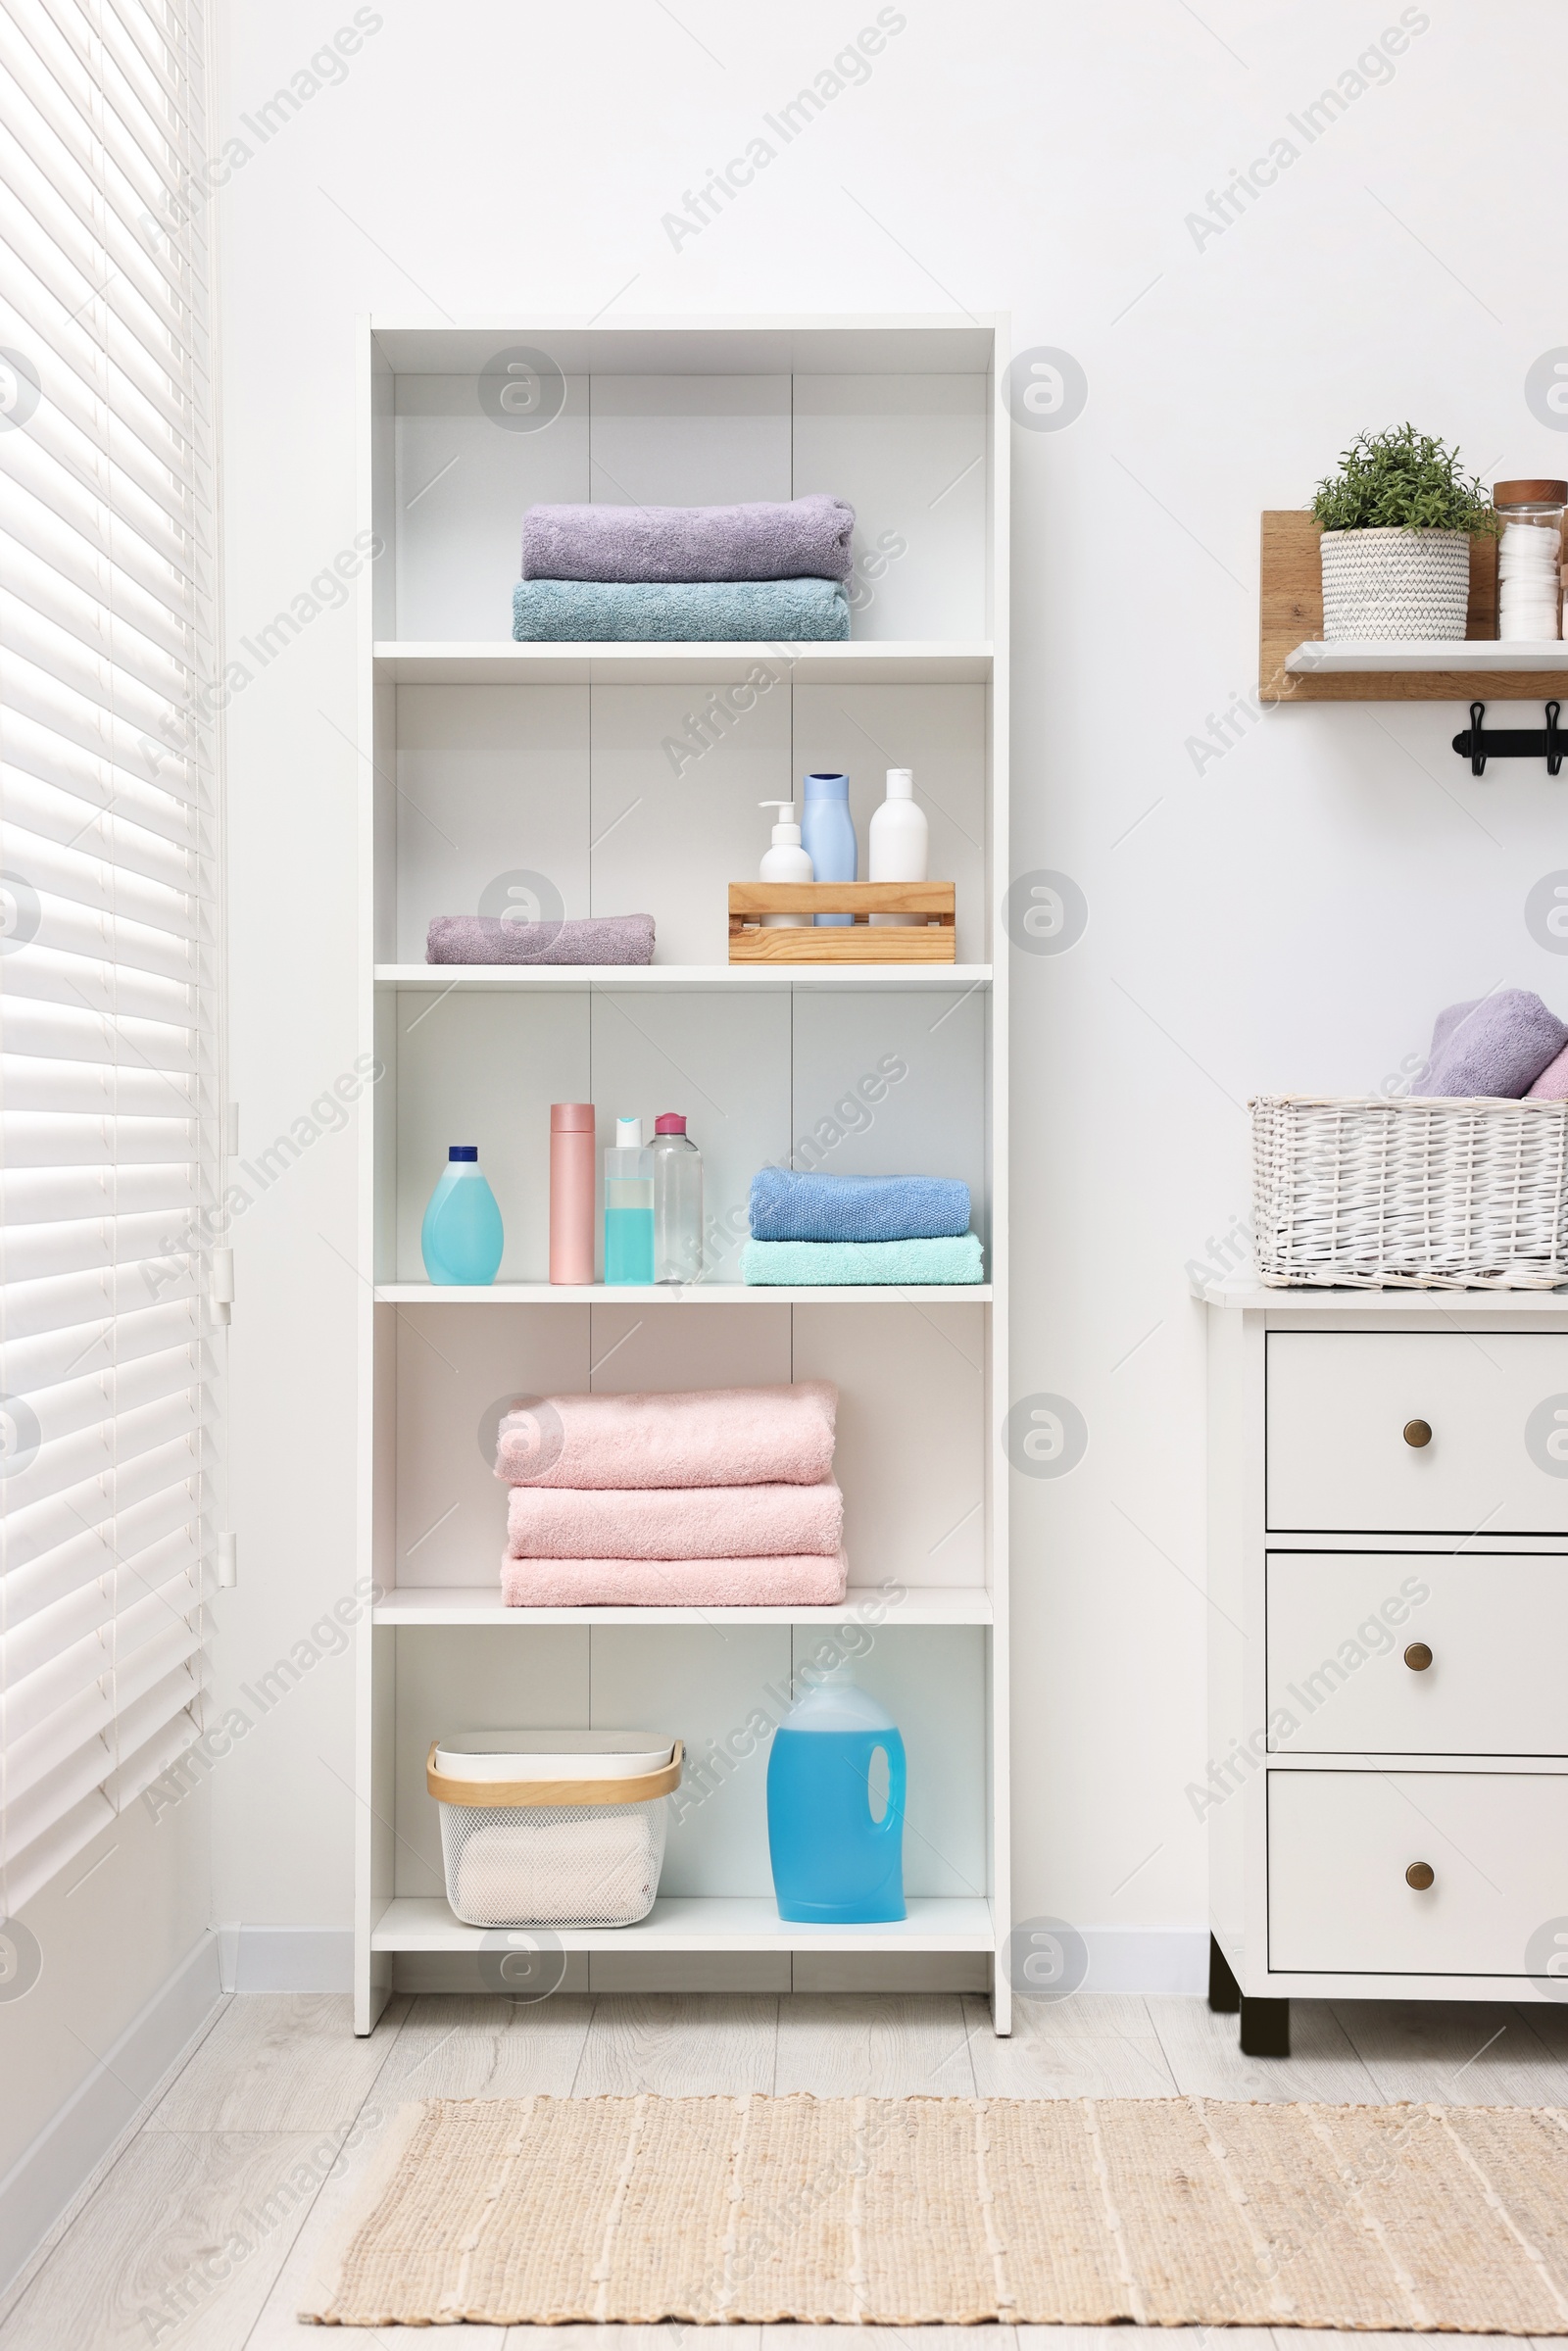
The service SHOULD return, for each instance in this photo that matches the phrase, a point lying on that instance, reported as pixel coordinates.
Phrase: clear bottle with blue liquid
(461, 1237)
(836, 1787)
(827, 835)
(628, 1207)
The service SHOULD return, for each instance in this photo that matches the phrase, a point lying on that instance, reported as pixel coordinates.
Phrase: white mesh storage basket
(1420, 1194)
(553, 1828)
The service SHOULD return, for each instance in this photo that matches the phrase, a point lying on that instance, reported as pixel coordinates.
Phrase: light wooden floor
(240, 2148)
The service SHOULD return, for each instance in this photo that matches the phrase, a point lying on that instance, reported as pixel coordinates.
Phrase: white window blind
(109, 953)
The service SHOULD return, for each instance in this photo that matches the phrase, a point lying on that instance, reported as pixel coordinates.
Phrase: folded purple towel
(1497, 1045)
(804, 538)
(486, 939)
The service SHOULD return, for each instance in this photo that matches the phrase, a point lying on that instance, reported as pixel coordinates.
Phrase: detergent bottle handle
(892, 1820)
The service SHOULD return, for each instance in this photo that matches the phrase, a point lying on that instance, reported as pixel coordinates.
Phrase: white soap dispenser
(786, 862)
(900, 842)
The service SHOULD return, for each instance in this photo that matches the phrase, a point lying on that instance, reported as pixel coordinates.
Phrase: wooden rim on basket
(489, 1796)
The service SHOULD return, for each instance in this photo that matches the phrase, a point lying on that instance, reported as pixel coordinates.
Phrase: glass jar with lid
(1529, 558)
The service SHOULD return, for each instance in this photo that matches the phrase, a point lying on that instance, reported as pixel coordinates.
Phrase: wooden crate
(1291, 613)
(934, 943)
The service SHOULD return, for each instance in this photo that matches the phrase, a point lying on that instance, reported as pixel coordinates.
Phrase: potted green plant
(1398, 520)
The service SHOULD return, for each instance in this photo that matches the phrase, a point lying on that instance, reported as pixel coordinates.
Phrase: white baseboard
(51, 2173)
(287, 1958)
(1147, 1959)
(1121, 1959)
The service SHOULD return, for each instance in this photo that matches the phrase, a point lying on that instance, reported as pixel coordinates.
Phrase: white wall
(1287, 915)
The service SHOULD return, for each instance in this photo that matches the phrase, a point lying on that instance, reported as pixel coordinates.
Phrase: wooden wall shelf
(1291, 613)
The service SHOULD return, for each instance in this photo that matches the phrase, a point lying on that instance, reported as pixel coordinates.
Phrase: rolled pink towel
(1553, 1084)
(674, 1522)
(707, 1437)
(810, 1580)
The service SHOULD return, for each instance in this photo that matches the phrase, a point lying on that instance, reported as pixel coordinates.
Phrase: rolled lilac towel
(707, 1437)
(802, 538)
(787, 1206)
(488, 939)
(810, 1580)
(674, 1522)
(1497, 1045)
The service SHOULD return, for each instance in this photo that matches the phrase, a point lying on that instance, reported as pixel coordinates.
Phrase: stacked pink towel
(723, 1497)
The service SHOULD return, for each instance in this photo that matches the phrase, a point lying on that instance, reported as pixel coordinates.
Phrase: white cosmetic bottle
(786, 862)
(900, 842)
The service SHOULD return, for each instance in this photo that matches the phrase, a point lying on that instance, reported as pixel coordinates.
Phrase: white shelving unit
(588, 776)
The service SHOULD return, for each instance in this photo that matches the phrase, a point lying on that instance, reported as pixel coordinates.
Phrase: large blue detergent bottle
(836, 1784)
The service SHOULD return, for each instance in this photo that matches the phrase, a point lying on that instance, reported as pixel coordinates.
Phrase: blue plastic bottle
(836, 1757)
(827, 835)
(461, 1237)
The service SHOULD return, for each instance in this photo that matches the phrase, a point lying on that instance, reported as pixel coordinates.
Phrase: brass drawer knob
(1418, 1657)
(1418, 1433)
(1420, 1875)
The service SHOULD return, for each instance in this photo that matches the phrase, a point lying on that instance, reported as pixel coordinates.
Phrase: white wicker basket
(1419, 1193)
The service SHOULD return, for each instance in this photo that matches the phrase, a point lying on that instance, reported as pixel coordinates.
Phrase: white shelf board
(478, 1604)
(504, 663)
(700, 1294)
(801, 342)
(1315, 657)
(501, 979)
(701, 1923)
(1443, 1305)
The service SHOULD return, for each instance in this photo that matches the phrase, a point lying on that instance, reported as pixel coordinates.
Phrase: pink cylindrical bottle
(571, 1192)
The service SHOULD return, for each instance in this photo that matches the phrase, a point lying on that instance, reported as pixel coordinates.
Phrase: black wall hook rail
(1512, 742)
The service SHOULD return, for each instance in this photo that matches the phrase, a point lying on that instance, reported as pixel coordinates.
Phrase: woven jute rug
(1170, 2211)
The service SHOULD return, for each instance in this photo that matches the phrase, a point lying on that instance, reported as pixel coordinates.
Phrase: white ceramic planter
(1395, 583)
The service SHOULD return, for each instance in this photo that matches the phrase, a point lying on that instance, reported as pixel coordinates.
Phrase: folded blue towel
(1498, 1045)
(584, 612)
(835, 1264)
(787, 1207)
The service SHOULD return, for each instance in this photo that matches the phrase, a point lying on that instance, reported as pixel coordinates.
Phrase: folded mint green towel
(835, 1264)
(581, 612)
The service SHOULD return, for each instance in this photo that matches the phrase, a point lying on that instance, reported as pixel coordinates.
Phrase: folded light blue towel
(791, 1206)
(835, 1264)
(585, 612)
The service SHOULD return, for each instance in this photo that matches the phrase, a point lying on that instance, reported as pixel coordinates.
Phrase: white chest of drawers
(1387, 1799)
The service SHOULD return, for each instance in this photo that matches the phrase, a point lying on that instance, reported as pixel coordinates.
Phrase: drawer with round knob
(1416, 1873)
(1417, 1432)
(1417, 1652)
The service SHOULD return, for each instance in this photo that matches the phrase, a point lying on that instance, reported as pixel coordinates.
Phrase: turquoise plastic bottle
(628, 1207)
(461, 1237)
(835, 1862)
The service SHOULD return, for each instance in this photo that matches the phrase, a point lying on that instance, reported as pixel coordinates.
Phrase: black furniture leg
(1265, 2027)
(1224, 1992)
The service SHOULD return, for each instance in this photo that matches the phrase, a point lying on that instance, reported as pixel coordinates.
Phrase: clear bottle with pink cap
(678, 1202)
(571, 1192)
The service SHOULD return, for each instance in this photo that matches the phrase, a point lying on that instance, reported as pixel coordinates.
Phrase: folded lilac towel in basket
(708, 1437)
(1497, 1045)
(799, 538)
(488, 939)
(674, 1522)
(812, 1580)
